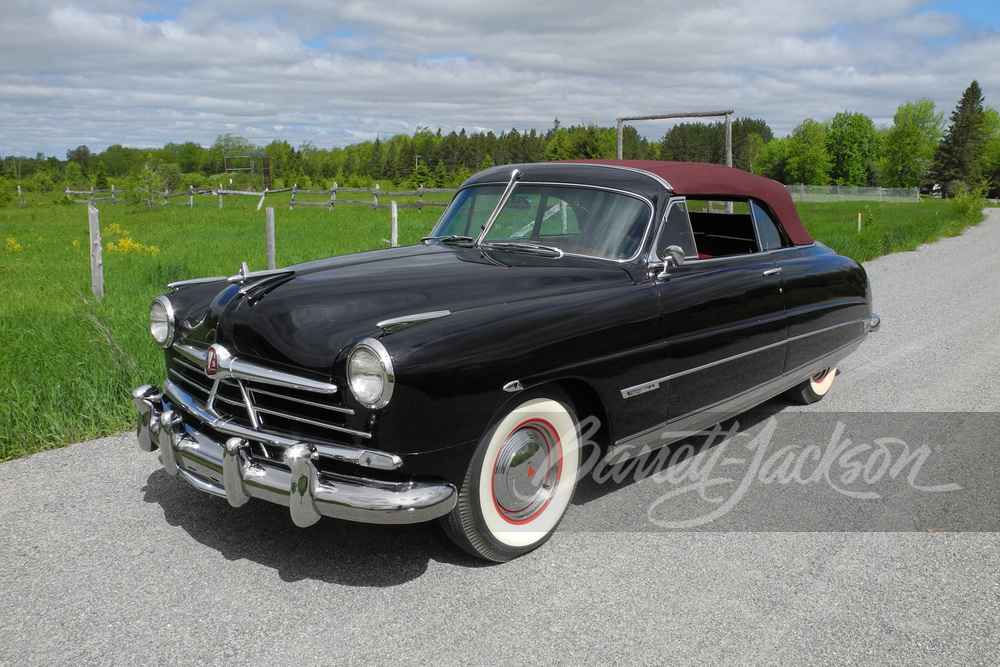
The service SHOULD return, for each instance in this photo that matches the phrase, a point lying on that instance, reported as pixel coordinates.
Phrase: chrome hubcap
(526, 471)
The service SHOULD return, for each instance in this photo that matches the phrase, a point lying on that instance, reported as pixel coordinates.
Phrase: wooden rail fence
(375, 193)
(331, 200)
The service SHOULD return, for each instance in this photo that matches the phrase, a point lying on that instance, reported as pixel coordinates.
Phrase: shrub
(969, 202)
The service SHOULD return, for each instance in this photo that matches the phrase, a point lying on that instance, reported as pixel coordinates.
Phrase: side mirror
(673, 255)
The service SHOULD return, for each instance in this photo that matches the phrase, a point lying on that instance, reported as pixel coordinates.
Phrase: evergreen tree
(101, 178)
(958, 159)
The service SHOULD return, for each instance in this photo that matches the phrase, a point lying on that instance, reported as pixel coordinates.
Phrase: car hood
(328, 305)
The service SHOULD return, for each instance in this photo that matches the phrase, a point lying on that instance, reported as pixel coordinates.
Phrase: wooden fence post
(269, 234)
(220, 196)
(96, 254)
(393, 239)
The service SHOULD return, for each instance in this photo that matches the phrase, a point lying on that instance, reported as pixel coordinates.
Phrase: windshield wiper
(523, 246)
(450, 239)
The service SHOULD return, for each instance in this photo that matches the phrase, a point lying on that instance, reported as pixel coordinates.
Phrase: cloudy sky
(334, 72)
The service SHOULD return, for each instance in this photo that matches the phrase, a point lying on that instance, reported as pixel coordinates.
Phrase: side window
(771, 237)
(676, 230)
(722, 228)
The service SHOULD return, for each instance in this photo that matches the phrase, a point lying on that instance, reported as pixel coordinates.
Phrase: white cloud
(151, 72)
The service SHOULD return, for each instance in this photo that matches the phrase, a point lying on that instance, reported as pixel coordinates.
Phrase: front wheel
(520, 480)
(814, 388)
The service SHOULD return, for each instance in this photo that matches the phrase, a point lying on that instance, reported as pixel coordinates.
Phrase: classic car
(447, 380)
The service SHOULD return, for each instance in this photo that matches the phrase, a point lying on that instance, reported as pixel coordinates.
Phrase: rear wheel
(520, 480)
(814, 388)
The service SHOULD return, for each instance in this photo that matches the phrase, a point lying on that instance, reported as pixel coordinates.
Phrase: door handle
(773, 272)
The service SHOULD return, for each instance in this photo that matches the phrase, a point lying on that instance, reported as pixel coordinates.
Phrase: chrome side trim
(396, 323)
(635, 390)
(230, 366)
(695, 422)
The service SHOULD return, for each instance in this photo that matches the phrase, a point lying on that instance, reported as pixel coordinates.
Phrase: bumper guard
(226, 469)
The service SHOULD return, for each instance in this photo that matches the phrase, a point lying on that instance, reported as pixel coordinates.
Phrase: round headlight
(161, 321)
(370, 374)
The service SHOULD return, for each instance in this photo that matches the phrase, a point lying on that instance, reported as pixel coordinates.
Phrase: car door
(723, 309)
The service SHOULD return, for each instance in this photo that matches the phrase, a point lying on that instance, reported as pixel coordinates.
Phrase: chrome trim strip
(332, 408)
(248, 404)
(638, 389)
(761, 253)
(301, 420)
(246, 370)
(825, 329)
(396, 323)
(194, 281)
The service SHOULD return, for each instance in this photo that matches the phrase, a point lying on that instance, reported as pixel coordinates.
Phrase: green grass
(68, 361)
(885, 227)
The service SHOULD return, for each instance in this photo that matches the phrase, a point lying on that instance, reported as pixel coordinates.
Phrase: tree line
(918, 150)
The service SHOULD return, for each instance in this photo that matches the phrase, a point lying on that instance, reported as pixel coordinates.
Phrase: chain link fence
(826, 193)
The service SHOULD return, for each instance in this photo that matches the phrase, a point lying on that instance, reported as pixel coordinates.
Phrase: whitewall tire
(520, 481)
(815, 388)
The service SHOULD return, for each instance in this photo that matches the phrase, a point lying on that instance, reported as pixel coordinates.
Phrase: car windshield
(574, 220)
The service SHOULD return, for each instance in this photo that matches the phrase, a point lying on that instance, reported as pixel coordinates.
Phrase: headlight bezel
(167, 320)
(359, 373)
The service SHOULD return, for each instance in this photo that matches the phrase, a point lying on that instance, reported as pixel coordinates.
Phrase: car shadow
(355, 554)
(332, 551)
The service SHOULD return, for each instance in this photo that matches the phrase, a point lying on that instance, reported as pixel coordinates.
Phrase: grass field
(68, 361)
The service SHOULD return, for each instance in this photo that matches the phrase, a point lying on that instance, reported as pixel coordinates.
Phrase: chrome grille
(267, 408)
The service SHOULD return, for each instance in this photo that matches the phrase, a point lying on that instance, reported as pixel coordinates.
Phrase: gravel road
(862, 529)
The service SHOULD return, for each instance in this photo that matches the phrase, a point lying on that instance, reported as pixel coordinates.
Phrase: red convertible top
(696, 178)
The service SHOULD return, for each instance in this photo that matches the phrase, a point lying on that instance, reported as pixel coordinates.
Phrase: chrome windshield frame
(515, 176)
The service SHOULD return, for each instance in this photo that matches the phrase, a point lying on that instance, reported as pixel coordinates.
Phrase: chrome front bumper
(227, 469)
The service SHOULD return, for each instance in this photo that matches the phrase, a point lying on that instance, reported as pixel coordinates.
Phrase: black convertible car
(447, 380)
